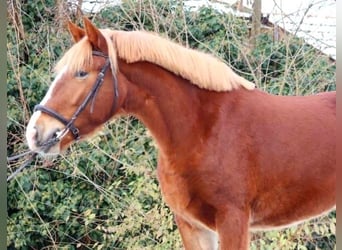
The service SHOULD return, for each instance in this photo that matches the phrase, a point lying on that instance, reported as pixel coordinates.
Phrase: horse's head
(83, 96)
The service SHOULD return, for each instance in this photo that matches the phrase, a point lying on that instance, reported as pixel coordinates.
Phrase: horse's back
(329, 99)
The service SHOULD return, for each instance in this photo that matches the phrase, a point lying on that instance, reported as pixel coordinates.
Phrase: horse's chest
(184, 197)
(175, 190)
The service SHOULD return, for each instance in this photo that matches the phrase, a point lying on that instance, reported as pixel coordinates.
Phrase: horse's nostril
(55, 133)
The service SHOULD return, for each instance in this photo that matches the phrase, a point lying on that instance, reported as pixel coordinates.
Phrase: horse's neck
(167, 105)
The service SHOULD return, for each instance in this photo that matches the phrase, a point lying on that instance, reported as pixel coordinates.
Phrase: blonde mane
(199, 68)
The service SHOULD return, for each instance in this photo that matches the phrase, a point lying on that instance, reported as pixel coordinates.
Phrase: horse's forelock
(79, 56)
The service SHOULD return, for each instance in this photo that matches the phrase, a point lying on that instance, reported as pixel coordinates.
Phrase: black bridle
(69, 124)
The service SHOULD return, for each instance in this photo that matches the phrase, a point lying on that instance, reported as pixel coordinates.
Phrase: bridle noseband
(69, 124)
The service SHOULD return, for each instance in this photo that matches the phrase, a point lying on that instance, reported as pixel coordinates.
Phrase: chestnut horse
(231, 158)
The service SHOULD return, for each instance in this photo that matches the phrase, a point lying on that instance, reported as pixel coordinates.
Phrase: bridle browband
(69, 124)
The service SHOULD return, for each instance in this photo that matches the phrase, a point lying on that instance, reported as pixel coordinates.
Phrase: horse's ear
(76, 32)
(95, 36)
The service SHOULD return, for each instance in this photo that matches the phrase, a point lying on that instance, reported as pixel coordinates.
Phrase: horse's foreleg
(195, 237)
(232, 228)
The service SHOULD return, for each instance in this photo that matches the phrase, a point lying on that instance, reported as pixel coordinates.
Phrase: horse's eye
(81, 74)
